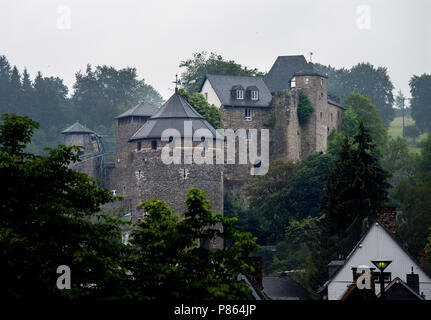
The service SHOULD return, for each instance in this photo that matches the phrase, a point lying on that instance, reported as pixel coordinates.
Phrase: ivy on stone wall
(305, 109)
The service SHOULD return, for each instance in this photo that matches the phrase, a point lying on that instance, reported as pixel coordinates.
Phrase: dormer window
(254, 95)
(239, 94)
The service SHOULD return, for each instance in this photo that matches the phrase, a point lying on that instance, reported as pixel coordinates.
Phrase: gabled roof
(284, 288)
(172, 115)
(375, 224)
(393, 293)
(77, 128)
(223, 85)
(284, 68)
(144, 109)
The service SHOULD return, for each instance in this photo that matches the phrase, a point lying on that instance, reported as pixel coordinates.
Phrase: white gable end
(378, 245)
(209, 93)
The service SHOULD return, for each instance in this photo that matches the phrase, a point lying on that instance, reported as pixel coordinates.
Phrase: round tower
(127, 124)
(151, 177)
(91, 161)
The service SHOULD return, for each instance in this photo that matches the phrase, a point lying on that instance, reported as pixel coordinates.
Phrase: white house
(378, 244)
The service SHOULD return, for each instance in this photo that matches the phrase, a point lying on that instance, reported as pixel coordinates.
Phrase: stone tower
(128, 123)
(142, 175)
(91, 155)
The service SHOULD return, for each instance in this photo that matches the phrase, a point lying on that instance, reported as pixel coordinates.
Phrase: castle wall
(234, 118)
(315, 132)
(143, 176)
(285, 131)
(93, 166)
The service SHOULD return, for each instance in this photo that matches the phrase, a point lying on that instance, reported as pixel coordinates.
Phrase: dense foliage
(305, 108)
(210, 112)
(203, 63)
(356, 187)
(50, 217)
(420, 89)
(363, 78)
(100, 94)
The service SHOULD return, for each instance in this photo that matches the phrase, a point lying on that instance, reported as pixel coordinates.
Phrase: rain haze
(60, 38)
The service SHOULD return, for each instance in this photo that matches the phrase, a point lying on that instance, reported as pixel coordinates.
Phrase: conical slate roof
(77, 128)
(144, 109)
(172, 115)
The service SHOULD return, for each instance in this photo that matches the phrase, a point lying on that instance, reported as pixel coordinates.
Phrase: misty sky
(154, 36)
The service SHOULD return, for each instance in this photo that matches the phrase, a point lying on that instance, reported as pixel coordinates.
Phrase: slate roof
(77, 128)
(399, 290)
(284, 288)
(284, 68)
(144, 109)
(172, 116)
(223, 85)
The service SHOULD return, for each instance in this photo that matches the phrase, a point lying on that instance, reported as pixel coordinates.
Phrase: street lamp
(381, 265)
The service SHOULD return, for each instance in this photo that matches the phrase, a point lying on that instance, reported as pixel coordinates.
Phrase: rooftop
(144, 109)
(172, 115)
(223, 85)
(77, 128)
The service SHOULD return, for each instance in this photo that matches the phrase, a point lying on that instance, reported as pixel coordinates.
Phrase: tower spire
(177, 82)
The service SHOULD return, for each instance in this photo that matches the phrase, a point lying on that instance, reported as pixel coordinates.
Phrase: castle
(138, 173)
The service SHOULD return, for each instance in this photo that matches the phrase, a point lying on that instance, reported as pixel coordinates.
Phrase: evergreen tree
(356, 187)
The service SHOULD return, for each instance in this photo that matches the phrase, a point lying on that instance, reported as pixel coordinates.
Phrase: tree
(44, 223)
(363, 78)
(412, 131)
(170, 264)
(306, 188)
(269, 201)
(50, 217)
(367, 113)
(398, 160)
(356, 187)
(202, 64)
(99, 94)
(412, 194)
(210, 112)
(420, 89)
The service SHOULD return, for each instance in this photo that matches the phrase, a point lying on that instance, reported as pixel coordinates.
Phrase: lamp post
(381, 265)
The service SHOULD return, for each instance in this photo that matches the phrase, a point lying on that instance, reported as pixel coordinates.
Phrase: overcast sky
(61, 37)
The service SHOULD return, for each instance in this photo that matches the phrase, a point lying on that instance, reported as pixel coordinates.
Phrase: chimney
(421, 257)
(387, 216)
(413, 281)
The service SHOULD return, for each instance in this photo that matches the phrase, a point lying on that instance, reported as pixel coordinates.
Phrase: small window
(248, 114)
(293, 83)
(206, 96)
(332, 120)
(321, 82)
(386, 276)
(240, 94)
(139, 145)
(254, 95)
(321, 115)
(154, 144)
(307, 80)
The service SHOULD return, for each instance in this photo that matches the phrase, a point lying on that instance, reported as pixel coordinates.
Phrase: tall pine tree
(356, 187)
